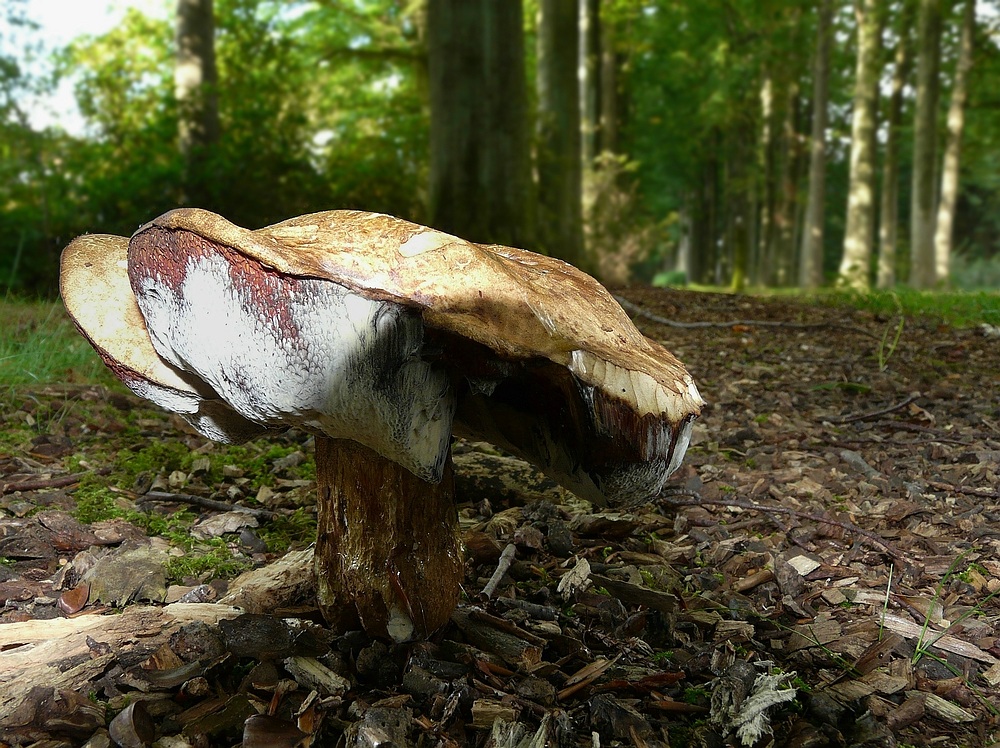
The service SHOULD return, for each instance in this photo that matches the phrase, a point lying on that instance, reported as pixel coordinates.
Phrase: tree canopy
(693, 127)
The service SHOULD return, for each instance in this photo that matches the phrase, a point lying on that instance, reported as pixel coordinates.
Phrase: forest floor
(823, 570)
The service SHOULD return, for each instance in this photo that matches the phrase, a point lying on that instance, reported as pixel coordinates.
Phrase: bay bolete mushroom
(384, 338)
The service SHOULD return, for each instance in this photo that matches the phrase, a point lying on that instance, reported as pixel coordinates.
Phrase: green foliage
(696, 695)
(285, 532)
(975, 273)
(662, 659)
(319, 108)
(95, 503)
(152, 456)
(211, 559)
(324, 105)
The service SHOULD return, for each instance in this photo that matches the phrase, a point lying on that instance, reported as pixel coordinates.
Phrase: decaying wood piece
(634, 594)
(281, 584)
(72, 654)
(514, 646)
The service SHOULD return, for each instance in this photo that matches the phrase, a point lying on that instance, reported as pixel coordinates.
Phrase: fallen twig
(874, 413)
(636, 309)
(60, 481)
(782, 527)
(506, 559)
(868, 535)
(214, 504)
(937, 435)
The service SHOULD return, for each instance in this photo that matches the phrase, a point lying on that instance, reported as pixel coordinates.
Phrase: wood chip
(577, 579)
(943, 709)
(486, 711)
(804, 564)
(929, 638)
(820, 632)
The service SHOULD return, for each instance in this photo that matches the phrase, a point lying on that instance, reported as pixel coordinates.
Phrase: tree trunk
(944, 232)
(387, 548)
(195, 86)
(889, 211)
(609, 98)
(704, 234)
(922, 270)
(737, 211)
(508, 149)
(768, 198)
(783, 250)
(480, 175)
(858, 235)
(590, 78)
(559, 171)
(811, 258)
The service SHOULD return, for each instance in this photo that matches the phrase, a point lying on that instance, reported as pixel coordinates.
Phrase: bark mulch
(821, 572)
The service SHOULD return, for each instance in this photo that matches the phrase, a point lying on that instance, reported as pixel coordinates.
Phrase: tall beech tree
(858, 236)
(480, 180)
(922, 211)
(888, 230)
(196, 89)
(944, 231)
(590, 80)
(811, 256)
(560, 177)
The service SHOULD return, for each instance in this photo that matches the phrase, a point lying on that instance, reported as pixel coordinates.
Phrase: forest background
(726, 142)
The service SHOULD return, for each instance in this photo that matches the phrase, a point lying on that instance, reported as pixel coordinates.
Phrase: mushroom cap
(520, 304)
(94, 285)
(517, 348)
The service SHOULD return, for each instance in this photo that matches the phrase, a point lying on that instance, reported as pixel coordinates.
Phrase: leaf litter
(822, 570)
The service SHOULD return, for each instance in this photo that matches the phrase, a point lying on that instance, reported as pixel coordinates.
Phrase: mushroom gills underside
(590, 442)
(283, 351)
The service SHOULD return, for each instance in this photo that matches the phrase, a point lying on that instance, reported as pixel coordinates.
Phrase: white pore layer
(648, 395)
(331, 361)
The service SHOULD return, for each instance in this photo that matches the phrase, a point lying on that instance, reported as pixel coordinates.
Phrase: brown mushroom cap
(503, 344)
(540, 359)
(518, 303)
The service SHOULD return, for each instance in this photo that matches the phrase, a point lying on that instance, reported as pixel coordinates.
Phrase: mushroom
(384, 338)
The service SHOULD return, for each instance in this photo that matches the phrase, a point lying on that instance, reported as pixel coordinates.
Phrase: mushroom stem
(387, 549)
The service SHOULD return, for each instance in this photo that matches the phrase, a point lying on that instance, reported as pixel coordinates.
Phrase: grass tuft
(40, 345)
(954, 308)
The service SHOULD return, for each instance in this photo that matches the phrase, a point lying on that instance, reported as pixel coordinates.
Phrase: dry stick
(874, 413)
(636, 309)
(858, 462)
(697, 500)
(506, 559)
(936, 434)
(220, 506)
(58, 482)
